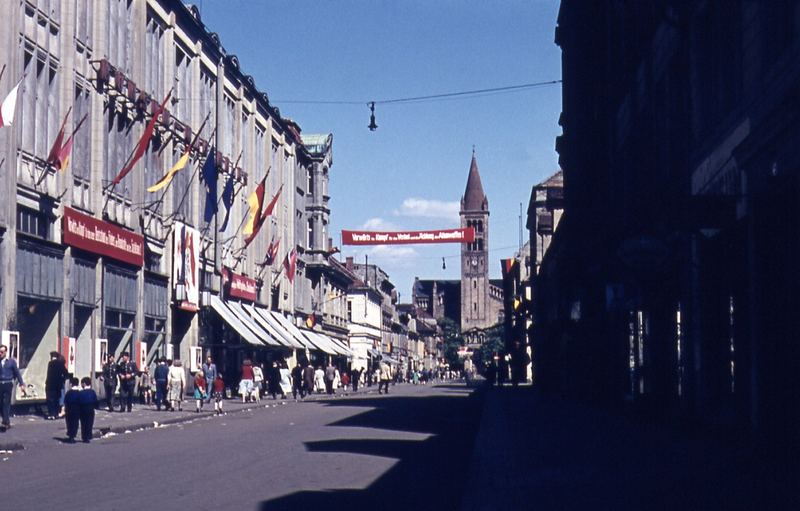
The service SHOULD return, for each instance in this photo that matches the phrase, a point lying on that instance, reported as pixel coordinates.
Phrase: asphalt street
(408, 450)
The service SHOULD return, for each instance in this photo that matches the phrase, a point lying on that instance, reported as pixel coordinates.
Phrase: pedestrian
(72, 409)
(246, 383)
(319, 380)
(345, 382)
(297, 382)
(126, 371)
(309, 375)
(88, 402)
(385, 375)
(145, 387)
(286, 380)
(176, 381)
(160, 375)
(219, 392)
(330, 377)
(258, 382)
(199, 390)
(273, 380)
(210, 372)
(57, 376)
(109, 378)
(355, 375)
(9, 371)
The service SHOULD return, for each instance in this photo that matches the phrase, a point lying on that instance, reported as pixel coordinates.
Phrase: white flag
(9, 106)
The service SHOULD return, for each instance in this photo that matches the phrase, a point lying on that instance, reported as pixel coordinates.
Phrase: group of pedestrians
(120, 375)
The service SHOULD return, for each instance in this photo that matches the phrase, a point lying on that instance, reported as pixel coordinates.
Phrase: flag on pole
(62, 159)
(255, 201)
(272, 251)
(209, 175)
(144, 141)
(167, 178)
(9, 106)
(227, 200)
(290, 265)
(267, 212)
(57, 144)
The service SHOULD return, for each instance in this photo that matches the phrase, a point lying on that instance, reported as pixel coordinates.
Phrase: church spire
(474, 199)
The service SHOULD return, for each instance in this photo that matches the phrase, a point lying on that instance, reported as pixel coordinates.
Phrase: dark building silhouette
(672, 281)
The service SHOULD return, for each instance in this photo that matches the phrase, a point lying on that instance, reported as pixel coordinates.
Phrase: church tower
(475, 310)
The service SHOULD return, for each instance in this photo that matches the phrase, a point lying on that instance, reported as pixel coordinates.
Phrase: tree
(452, 342)
(492, 344)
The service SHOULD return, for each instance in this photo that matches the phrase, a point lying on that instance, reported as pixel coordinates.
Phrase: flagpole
(220, 99)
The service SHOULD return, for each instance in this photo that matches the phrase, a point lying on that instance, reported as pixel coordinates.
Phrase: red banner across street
(465, 235)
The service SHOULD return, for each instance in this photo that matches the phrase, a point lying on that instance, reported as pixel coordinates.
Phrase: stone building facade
(89, 267)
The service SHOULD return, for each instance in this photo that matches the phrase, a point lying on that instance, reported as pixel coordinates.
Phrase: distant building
(474, 302)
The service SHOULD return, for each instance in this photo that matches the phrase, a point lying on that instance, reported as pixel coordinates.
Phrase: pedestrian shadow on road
(429, 474)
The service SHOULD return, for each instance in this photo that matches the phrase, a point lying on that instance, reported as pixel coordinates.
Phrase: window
(40, 118)
(310, 189)
(310, 238)
(33, 222)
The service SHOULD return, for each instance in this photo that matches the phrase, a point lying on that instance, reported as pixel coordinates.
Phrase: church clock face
(474, 261)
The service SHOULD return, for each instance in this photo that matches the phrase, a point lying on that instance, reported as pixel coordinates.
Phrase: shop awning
(343, 345)
(323, 343)
(230, 318)
(300, 335)
(328, 341)
(262, 317)
(389, 359)
(260, 332)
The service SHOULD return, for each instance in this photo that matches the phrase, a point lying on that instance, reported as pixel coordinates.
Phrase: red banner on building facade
(93, 235)
(465, 235)
(239, 286)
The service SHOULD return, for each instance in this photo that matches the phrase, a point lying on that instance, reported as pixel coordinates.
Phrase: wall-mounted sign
(461, 235)
(186, 266)
(100, 353)
(68, 350)
(93, 235)
(141, 355)
(239, 286)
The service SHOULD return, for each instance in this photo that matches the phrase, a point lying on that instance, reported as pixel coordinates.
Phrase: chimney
(349, 263)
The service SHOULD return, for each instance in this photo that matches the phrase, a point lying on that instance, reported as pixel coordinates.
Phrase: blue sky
(411, 172)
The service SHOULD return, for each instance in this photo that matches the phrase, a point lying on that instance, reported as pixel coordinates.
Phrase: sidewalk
(29, 430)
(538, 452)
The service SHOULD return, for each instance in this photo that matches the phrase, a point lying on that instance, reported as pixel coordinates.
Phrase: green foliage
(452, 341)
(494, 343)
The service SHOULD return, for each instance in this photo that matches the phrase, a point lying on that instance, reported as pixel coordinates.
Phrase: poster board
(10, 339)
(100, 354)
(196, 360)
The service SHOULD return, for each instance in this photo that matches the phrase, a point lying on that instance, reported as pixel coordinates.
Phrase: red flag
(144, 141)
(272, 251)
(56, 149)
(259, 220)
(62, 159)
(290, 264)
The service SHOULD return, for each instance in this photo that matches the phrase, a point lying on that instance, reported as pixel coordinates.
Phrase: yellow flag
(164, 181)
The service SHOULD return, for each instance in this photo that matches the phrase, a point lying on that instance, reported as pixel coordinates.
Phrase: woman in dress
(176, 381)
(199, 390)
(246, 383)
(286, 379)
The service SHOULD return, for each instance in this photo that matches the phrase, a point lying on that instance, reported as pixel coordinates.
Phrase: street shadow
(429, 474)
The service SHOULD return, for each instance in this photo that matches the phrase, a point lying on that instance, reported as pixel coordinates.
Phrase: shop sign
(93, 235)
(186, 266)
(462, 235)
(68, 350)
(239, 286)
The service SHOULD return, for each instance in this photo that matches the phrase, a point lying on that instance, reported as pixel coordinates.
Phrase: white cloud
(378, 224)
(393, 256)
(428, 208)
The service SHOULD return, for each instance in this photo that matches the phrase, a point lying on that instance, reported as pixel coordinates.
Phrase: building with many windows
(95, 263)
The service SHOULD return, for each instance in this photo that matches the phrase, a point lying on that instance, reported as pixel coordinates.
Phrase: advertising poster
(186, 266)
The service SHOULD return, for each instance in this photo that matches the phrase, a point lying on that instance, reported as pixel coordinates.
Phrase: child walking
(219, 390)
(72, 409)
(199, 390)
(88, 402)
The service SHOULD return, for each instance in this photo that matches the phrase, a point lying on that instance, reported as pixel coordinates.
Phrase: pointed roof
(474, 199)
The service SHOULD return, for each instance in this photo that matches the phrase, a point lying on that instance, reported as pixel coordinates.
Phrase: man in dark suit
(126, 371)
(8, 373)
(72, 410)
(54, 383)
(109, 377)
